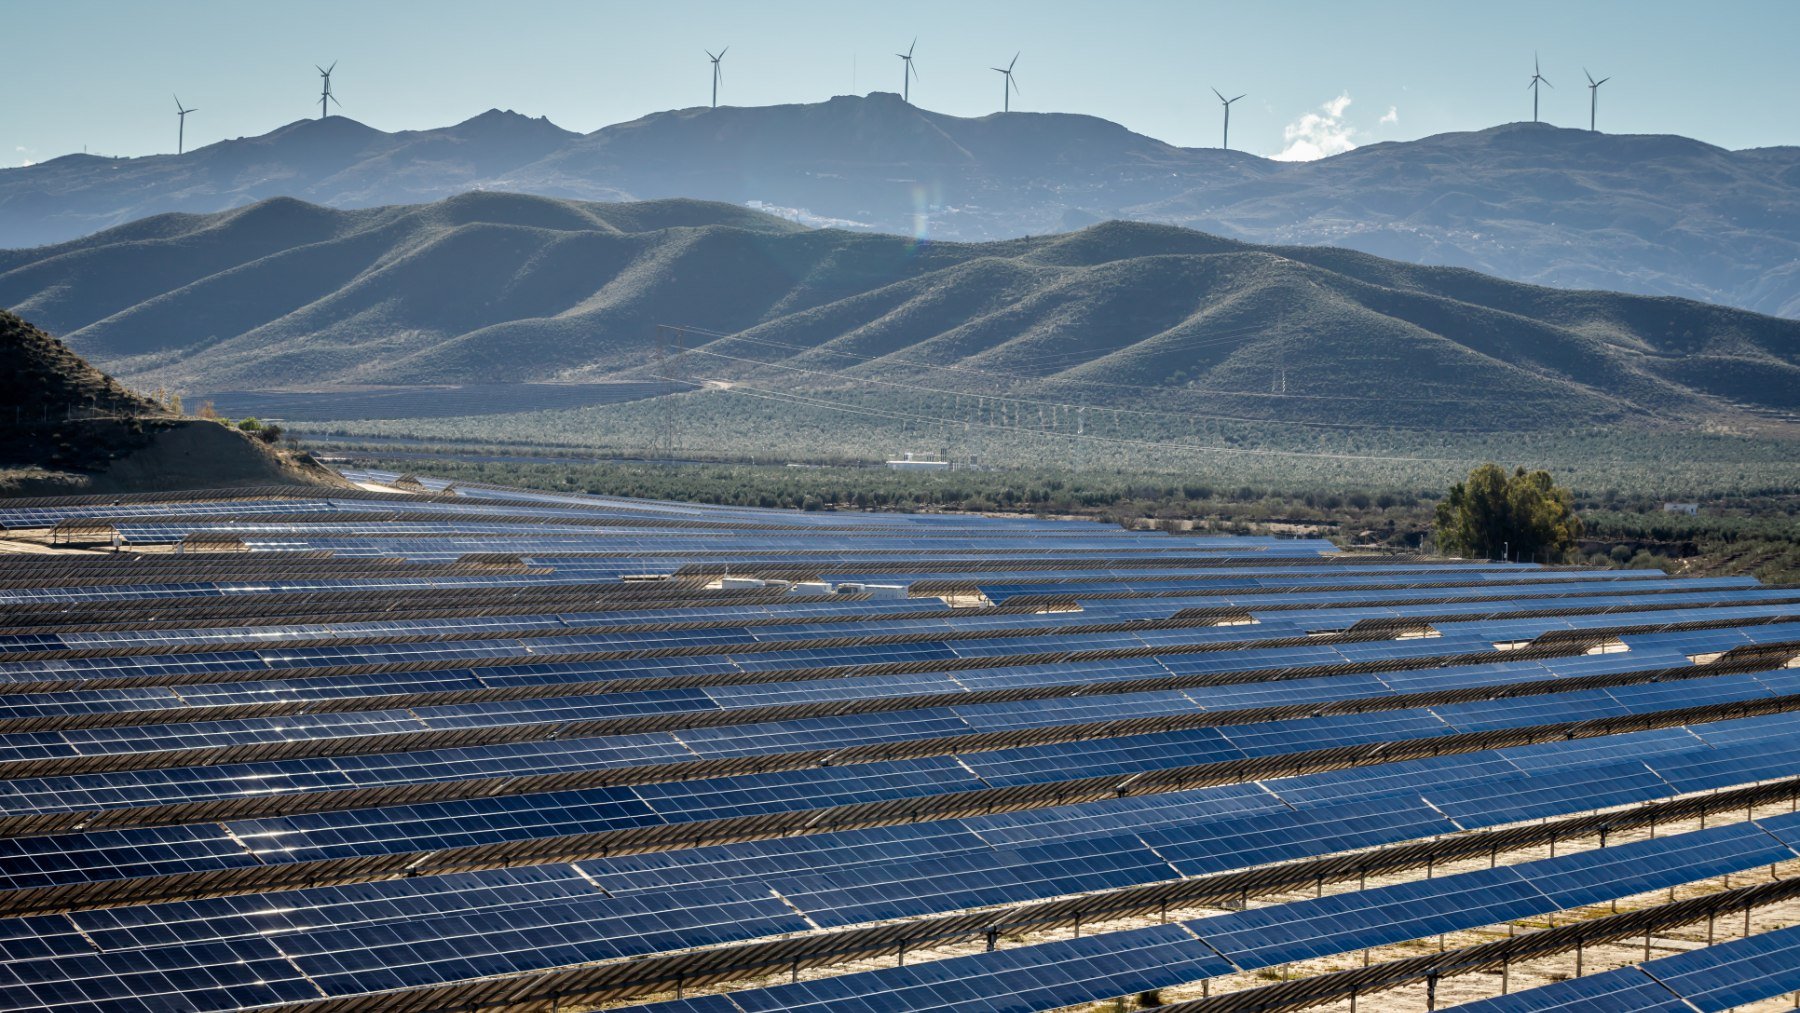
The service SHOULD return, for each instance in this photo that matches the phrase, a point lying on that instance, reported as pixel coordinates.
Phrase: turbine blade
(1215, 91)
(915, 45)
(322, 71)
(1546, 81)
(334, 98)
(177, 101)
(1014, 63)
(1602, 81)
(1585, 73)
(1240, 96)
(332, 67)
(722, 52)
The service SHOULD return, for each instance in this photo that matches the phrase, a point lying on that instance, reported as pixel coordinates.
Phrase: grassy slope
(497, 286)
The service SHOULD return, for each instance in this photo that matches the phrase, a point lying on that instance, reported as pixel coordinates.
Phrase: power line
(787, 397)
(1139, 389)
(1045, 403)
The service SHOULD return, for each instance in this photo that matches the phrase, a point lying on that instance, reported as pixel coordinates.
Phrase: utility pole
(671, 344)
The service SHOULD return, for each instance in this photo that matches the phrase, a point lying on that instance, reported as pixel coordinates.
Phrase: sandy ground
(39, 548)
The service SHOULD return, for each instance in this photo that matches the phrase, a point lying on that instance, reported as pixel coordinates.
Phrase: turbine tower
(1593, 97)
(909, 74)
(1225, 141)
(325, 94)
(1009, 86)
(717, 73)
(181, 126)
(1537, 78)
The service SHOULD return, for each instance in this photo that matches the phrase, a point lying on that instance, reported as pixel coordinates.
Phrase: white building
(911, 463)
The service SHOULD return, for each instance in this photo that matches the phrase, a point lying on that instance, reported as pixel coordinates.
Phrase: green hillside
(498, 287)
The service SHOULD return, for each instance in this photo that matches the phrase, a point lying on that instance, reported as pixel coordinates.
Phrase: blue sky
(1319, 76)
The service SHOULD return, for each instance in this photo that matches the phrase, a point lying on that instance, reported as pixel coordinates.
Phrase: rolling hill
(68, 429)
(488, 287)
(1650, 214)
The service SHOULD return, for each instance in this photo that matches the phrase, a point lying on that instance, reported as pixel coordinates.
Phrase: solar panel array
(488, 748)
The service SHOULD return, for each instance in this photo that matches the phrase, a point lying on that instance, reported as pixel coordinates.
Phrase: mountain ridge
(1648, 213)
(489, 286)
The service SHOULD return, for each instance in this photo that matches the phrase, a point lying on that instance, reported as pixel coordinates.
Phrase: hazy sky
(1319, 75)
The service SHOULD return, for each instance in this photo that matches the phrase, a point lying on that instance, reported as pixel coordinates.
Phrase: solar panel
(434, 645)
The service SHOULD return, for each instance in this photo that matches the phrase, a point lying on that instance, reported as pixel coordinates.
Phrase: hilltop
(496, 287)
(1651, 214)
(72, 429)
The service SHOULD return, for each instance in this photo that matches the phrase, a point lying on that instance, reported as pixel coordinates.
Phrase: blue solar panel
(225, 630)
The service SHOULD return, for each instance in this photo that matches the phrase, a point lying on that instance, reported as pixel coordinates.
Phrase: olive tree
(1493, 515)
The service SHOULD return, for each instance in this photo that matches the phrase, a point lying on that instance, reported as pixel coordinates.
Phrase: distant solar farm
(427, 747)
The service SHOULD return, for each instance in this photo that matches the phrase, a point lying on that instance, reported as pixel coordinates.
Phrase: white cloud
(25, 156)
(1316, 135)
(1391, 116)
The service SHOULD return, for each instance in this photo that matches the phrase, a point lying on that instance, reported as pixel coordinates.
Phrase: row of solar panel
(1649, 652)
(427, 826)
(473, 501)
(1326, 617)
(720, 644)
(889, 614)
(1063, 973)
(363, 939)
(1726, 976)
(623, 695)
(191, 589)
(331, 771)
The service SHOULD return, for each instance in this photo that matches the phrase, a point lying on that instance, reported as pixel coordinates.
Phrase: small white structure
(1691, 509)
(911, 463)
(741, 583)
(873, 590)
(848, 587)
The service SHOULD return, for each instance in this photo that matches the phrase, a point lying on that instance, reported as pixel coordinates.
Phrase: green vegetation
(725, 426)
(266, 432)
(1493, 515)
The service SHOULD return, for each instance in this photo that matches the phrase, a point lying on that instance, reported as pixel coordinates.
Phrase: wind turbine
(325, 89)
(1593, 97)
(907, 75)
(1536, 79)
(1225, 142)
(1010, 86)
(717, 73)
(181, 126)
